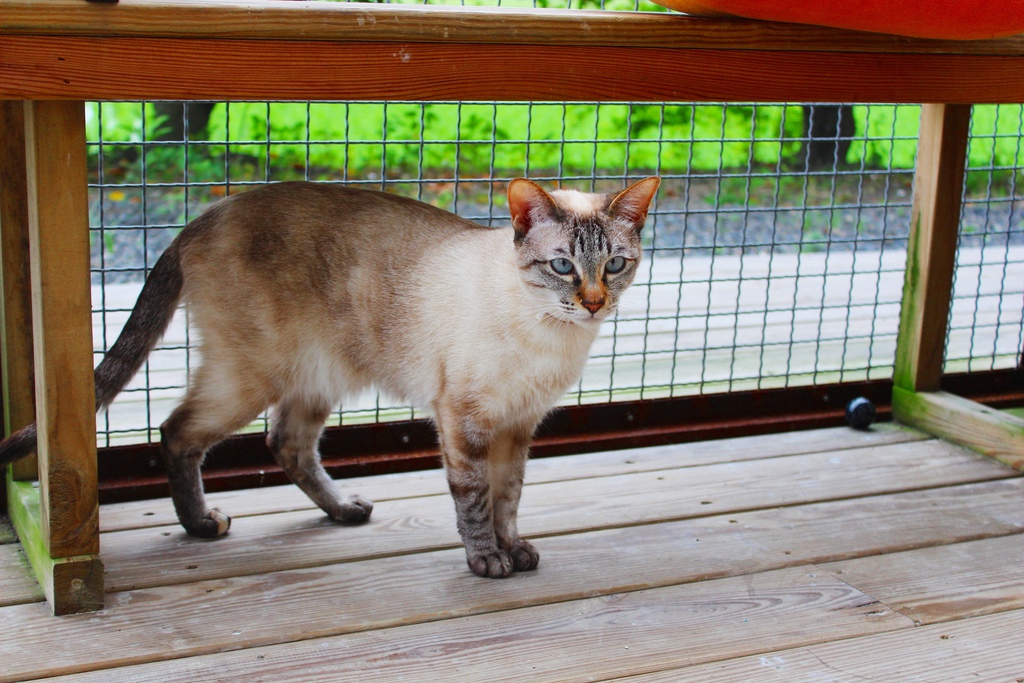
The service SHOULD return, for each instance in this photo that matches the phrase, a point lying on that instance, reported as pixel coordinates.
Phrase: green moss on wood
(906, 341)
(71, 584)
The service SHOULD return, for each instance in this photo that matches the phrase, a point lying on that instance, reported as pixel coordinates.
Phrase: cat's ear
(631, 204)
(529, 204)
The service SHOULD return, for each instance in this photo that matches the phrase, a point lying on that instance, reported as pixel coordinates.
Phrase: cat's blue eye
(615, 265)
(562, 266)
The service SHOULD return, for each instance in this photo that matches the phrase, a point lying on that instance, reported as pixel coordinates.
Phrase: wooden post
(16, 303)
(931, 253)
(61, 535)
(927, 292)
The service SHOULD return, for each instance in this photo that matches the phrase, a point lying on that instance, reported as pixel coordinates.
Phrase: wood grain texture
(71, 584)
(268, 19)
(944, 583)
(18, 583)
(931, 252)
(187, 68)
(19, 396)
(556, 642)
(166, 556)
(211, 616)
(380, 488)
(970, 650)
(62, 324)
(995, 433)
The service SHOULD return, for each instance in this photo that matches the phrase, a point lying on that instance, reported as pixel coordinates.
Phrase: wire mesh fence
(774, 252)
(985, 330)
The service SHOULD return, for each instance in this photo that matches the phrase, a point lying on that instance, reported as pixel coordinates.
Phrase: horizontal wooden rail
(361, 22)
(997, 434)
(166, 68)
(159, 49)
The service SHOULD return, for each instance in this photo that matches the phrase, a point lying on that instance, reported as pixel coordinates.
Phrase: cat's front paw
(213, 524)
(524, 556)
(492, 563)
(355, 511)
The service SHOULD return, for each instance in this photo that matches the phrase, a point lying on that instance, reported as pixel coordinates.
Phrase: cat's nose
(593, 305)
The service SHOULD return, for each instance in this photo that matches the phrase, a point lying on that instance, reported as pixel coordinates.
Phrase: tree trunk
(829, 129)
(176, 114)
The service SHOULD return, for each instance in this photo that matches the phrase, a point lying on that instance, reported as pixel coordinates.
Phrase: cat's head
(578, 252)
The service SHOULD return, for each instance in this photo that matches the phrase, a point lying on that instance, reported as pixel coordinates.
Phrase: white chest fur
(486, 339)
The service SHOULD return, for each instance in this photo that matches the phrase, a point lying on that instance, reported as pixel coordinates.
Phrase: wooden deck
(828, 555)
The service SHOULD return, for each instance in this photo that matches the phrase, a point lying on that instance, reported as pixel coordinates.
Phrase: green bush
(434, 140)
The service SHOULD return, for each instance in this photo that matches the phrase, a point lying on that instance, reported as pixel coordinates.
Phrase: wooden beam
(931, 253)
(72, 585)
(16, 304)
(927, 291)
(61, 299)
(62, 67)
(995, 433)
(359, 22)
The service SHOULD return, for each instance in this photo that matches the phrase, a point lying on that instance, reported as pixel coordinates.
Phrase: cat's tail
(145, 327)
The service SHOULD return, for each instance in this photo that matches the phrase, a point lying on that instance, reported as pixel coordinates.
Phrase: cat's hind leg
(216, 406)
(295, 432)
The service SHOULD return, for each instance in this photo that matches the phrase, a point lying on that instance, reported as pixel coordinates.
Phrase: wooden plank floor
(828, 555)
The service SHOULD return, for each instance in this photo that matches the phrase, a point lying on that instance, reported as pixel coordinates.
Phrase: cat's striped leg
(464, 450)
(508, 467)
(297, 425)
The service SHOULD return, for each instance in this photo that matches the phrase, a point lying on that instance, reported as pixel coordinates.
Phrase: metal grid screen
(775, 252)
(985, 328)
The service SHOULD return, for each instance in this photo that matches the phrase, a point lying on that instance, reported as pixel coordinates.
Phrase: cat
(304, 293)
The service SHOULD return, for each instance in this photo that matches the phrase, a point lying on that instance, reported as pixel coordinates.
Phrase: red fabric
(949, 19)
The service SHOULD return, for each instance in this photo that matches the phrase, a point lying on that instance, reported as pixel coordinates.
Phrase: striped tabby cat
(306, 293)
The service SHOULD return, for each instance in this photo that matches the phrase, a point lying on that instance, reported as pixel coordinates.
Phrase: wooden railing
(139, 49)
(54, 55)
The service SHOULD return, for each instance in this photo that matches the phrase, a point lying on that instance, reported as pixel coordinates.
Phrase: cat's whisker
(555, 313)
